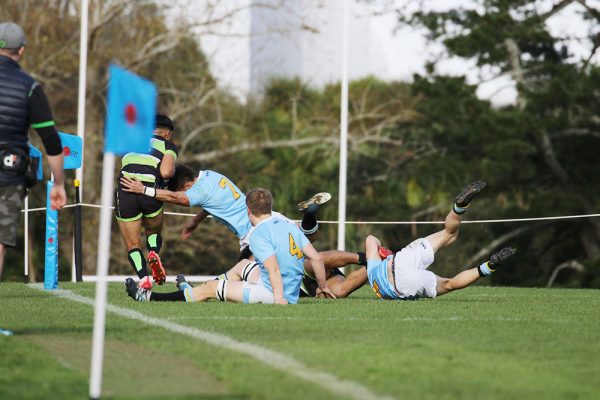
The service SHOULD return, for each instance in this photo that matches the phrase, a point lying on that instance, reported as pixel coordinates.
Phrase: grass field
(482, 342)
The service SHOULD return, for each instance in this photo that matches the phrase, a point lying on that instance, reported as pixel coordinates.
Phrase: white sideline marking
(346, 388)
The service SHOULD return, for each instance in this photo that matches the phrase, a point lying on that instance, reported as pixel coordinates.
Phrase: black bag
(16, 162)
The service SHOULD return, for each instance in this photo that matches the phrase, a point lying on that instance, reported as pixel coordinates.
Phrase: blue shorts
(378, 278)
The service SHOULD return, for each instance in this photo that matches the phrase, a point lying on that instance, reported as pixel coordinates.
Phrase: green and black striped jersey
(146, 167)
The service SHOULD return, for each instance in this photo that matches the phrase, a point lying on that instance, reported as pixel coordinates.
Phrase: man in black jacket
(22, 104)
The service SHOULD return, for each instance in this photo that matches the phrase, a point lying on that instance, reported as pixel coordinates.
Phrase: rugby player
(279, 248)
(404, 276)
(133, 210)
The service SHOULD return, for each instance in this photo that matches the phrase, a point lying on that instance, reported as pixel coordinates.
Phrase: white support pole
(83, 50)
(26, 250)
(343, 134)
(108, 172)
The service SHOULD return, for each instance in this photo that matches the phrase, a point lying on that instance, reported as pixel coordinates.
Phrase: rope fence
(481, 221)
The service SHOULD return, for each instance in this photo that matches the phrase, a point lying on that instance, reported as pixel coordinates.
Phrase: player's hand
(186, 233)
(281, 301)
(132, 185)
(58, 197)
(325, 293)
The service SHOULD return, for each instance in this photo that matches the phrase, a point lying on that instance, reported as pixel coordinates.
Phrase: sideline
(345, 388)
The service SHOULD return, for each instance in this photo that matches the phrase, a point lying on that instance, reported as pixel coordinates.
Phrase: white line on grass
(346, 388)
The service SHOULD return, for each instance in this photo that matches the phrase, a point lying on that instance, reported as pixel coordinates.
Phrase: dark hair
(183, 174)
(163, 121)
(259, 201)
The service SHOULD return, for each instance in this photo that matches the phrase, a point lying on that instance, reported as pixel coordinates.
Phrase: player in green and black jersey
(134, 210)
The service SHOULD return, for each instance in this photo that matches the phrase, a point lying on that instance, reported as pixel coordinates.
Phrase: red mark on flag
(130, 114)
(66, 151)
(50, 240)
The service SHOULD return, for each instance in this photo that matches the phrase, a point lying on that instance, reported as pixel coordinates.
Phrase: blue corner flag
(34, 152)
(130, 119)
(72, 150)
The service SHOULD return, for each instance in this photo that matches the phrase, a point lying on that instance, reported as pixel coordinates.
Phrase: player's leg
(130, 232)
(309, 209)
(467, 277)
(2, 252)
(448, 235)
(243, 270)
(129, 219)
(336, 281)
(343, 287)
(153, 227)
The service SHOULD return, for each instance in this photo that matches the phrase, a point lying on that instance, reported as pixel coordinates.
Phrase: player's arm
(372, 245)
(319, 270)
(272, 267)
(193, 224)
(167, 164)
(135, 186)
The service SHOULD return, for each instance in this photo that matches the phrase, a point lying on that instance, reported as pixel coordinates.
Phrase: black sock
(362, 258)
(309, 223)
(171, 296)
(138, 262)
(154, 242)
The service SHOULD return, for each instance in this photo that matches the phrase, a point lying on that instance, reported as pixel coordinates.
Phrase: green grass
(482, 342)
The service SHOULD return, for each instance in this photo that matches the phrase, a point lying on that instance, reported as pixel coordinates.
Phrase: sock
(484, 269)
(459, 210)
(138, 262)
(171, 296)
(362, 258)
(184, 286)
(154, 242)
(309, 224)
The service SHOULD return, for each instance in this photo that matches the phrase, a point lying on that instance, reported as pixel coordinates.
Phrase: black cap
(162, 121)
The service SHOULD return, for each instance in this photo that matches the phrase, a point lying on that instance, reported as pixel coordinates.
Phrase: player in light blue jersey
(280, 249)
(404, 275)
(219, 197)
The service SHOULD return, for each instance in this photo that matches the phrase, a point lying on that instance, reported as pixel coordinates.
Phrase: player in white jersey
(279, 248)
(404, 275)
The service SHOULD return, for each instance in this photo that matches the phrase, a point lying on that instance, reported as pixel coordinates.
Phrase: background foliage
(412, 146)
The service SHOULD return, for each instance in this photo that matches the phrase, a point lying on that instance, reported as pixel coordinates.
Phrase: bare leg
(448, 235)
(131, 233)
(344, 287)
(2, 252)
(237, 272)
(208, 290)
(460, 281)
(154, 224)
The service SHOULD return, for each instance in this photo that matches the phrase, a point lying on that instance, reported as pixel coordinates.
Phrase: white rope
(481, 221)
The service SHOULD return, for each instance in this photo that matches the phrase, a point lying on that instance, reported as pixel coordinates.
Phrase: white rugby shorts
(412, 278)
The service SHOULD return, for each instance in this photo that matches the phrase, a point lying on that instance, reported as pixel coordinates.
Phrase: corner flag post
(130, 121)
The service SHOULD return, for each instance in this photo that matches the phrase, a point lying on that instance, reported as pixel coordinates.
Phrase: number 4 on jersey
(295, 250)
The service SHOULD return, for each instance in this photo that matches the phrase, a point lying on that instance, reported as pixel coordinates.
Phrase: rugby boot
(469, 193)
(500, 256)
(145, 283)
(135, 292)
(313, 204)
(158, 272)
(181, 283)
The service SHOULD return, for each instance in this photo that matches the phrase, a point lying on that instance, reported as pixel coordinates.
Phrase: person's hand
(325, 293)
(281, 301)
(58, 197)
(132, 185)
(186, 233)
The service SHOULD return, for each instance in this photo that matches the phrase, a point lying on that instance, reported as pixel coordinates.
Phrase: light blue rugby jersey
(285, 240)
(222, 199)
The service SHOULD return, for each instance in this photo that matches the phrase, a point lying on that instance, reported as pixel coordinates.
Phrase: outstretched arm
(186, 233)
(372, 245)
(135, 186)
